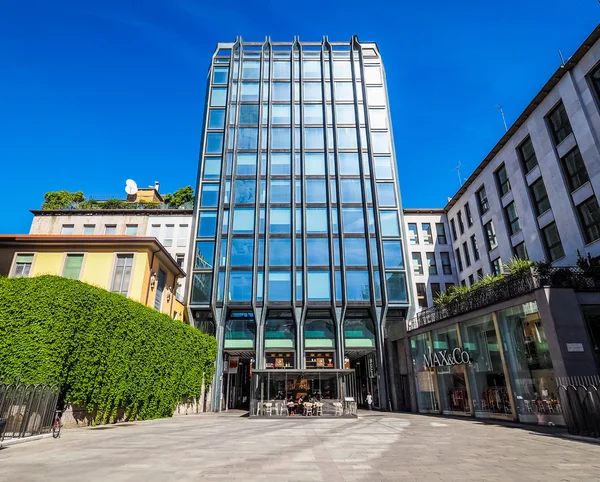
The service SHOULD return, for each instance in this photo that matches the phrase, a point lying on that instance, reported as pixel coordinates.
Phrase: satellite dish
(131, 187)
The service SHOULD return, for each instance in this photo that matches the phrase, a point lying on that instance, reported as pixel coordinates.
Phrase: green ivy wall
(106, 351)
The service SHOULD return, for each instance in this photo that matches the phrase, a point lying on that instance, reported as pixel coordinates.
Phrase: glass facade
(493, 366)
(293, 133)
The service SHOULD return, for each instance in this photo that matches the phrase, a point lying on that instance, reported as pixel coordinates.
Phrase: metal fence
(27, 410)
(580, 401)
(510, 287)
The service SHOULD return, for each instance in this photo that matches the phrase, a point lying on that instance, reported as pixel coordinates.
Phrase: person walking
(369, 400)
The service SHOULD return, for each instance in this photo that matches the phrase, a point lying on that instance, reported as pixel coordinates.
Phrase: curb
(15, 441)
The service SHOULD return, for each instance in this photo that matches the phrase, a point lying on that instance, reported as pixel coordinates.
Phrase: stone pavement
(374, 447)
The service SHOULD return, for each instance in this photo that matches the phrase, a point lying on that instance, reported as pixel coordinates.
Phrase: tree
(182, 196)
(61, 199)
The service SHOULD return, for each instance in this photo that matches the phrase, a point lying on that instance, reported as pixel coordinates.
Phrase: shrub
(105, 350)
(61, 199)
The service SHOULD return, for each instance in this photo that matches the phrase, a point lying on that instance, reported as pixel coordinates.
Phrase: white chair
(308, 409)
(268, 409)
(319, 409)
(338, 409)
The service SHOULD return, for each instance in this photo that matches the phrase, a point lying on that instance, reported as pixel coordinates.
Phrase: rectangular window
(490, 234)
(248, 114)
(453, 229)
(480, 274)
(468, 215)
(316, 191)
(355, 251)
(413, 234)
(218, 97)
(386, 194)
(575, 169)
(89, 228)
(392, 253)
(466, 253)
(207, 224)
(389, 223)
(317, 251)
(496, 267)
(122, 274)
(441, 233)
(512, 218)
(72, 268)
(110, 229)
(427, 234)
(471, 280)
(589, 217)
(280, 286)
(417, 263)
(474, 247)
(502, 180)
(461, 226)
(458, 259)
(383, 168)
(67, 229)
(357, 286)
(552, 243)
(541, 203)
(318, 285)
(482, 201)
(210, 195)
(520, 251)
(23, 264)
(182, 235)
(280, 221)
(559, 123)
(436, 290)
(422, 295)
(180, 260)
(242, 252)
(131, 230)
(527, 155)
(169, 231)
(432, 265)
(316, 220)
(446, 265)
(216, 119)
(448, 286)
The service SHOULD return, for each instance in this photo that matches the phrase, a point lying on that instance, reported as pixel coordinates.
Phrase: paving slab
(375, 447)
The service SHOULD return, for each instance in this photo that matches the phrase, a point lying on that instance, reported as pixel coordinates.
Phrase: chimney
(156, 185)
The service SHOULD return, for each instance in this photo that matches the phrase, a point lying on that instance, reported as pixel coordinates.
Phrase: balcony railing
(118, 204)
(509, 287)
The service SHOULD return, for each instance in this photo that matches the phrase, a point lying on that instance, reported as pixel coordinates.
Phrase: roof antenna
(457, 169)
(562, 60)
(499, 107)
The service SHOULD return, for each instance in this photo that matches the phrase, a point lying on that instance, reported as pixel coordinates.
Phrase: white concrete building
(536, 192)
(430, 254)
(170, 226)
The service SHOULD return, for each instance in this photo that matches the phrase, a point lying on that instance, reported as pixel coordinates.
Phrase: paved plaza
(373, 447)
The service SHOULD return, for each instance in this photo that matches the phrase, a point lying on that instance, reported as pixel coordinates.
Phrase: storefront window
(529, 363)
(486, 375)
(451, 379)
(424, 377)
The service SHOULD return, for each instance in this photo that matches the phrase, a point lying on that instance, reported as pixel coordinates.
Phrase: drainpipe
(151, 263)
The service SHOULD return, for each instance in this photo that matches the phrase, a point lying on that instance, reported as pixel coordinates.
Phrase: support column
(217, 387)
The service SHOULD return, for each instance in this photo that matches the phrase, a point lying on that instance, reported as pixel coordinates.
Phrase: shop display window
(424, 377)
(452, 384)
(486, 374)
(530, 366)
(279, 360)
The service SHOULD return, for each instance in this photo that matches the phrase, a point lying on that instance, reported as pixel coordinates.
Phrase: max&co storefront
(497, 365)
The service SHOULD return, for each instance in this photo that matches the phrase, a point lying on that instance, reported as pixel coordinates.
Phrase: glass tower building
(298, 257)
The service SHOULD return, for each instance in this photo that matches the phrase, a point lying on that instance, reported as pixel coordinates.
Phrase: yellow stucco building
(137, 267)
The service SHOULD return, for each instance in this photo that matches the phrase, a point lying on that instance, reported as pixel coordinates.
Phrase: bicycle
(56, 424)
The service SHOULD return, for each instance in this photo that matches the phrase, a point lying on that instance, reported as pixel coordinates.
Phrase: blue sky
(95, 92)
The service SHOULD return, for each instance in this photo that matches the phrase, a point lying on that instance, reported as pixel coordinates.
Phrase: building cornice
(113, 212)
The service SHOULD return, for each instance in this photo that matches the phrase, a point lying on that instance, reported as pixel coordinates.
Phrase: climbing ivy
(107, 351)
(61, 199)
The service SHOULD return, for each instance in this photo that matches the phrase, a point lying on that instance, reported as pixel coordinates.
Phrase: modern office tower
(298, 265)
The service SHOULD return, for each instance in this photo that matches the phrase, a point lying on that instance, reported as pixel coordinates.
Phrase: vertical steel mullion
(268, 183)
(293, 161)
(336, 174)
(233, 178)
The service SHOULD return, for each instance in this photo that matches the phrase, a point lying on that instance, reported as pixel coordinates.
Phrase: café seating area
(283, 408)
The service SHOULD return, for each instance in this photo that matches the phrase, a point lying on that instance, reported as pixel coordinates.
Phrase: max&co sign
(444, 358)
